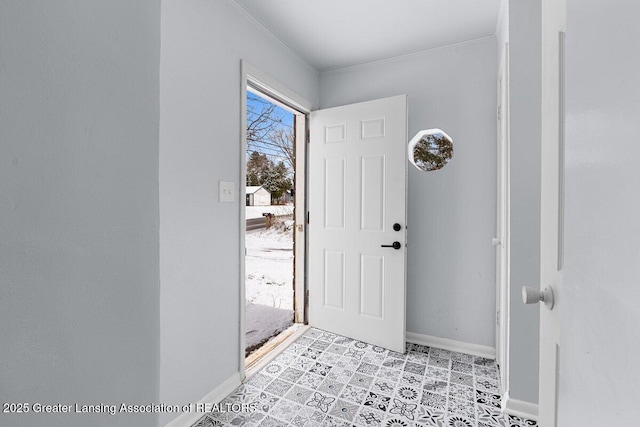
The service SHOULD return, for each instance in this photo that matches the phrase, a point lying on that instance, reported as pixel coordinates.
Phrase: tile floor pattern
(324, 379)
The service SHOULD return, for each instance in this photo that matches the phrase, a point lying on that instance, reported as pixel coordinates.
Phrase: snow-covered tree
(273, 177)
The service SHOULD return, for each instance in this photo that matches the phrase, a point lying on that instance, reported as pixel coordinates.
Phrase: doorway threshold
(272, 348)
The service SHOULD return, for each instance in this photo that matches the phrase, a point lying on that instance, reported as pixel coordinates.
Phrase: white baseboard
(519, 408)
(452, 345)
(186, 419)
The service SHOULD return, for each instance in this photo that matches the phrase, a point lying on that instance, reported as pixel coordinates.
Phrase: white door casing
(357, 192)
(254, 79)
(501, 242)
(299, 241)
(552, 196)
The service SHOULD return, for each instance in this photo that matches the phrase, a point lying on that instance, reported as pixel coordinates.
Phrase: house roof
(251, 189)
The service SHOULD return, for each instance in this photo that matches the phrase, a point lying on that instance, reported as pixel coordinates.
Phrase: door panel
(371, 285)
(357, 191)
(372, 193)
(553, 23)
(334, 278)
(334, 193)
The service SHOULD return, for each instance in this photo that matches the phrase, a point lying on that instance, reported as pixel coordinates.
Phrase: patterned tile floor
(324, 379)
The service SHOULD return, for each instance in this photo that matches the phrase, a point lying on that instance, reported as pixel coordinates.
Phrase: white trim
(300, 215)
(242, 341)
(501, 16)
(276, 351)
(252, 75)
(270, 86)
(452, 345)
(519, 408)
(186, 419)
(502, 24)
(503, 287)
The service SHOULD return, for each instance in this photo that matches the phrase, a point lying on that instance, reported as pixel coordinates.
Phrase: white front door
(357, 194)
(552, 201)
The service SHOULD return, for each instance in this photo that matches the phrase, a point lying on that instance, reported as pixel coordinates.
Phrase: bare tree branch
(283, 141)
(267, 133)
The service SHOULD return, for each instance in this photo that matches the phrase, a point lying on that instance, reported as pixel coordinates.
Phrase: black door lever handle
(395, 245)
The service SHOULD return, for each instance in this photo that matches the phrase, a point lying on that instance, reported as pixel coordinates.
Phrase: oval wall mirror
(430, 150)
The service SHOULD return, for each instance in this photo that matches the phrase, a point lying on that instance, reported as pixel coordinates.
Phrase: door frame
(288, 99)
(503, 224)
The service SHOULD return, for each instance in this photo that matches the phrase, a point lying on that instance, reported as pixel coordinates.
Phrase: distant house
(288, 196)
(258, 196)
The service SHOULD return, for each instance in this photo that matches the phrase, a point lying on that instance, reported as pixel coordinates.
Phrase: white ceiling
(331, 34)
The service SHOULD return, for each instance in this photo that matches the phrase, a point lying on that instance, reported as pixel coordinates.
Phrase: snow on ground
(264, 322)
(278, 210)
(269, 264)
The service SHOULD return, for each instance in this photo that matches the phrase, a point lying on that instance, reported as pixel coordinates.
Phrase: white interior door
(357, 193)
(552, 201)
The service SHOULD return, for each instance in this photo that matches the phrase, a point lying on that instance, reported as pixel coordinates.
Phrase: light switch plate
(227, 192)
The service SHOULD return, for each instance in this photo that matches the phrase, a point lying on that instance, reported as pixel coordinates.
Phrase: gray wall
(203, 42)
(451, 216)
(79, 291)
(600, 325)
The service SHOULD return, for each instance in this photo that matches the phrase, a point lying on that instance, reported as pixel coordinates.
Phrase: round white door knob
(532, 296)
